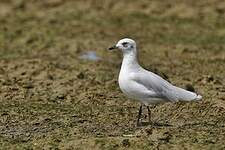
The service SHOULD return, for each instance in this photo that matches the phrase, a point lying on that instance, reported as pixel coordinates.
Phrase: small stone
(148, 131)
(80, 75)
(61, 96)
(126, 143)
(28, 85)
(210, 78)
(6, 82)
(166, 137)
(218, 81)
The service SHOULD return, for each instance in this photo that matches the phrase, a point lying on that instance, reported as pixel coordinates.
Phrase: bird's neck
(130, 61)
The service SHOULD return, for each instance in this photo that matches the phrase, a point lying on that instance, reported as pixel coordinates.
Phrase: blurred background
(58, 82)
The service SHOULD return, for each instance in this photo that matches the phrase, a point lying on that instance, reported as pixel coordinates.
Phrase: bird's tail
(184, 95)
(199, 97)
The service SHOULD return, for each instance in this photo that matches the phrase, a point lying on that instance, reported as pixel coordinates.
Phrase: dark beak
(113, 47)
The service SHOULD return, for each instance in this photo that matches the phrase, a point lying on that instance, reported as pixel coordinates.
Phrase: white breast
(130, 88)
(126, 84)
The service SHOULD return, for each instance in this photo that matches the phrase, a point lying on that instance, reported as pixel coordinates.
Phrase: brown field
(50, 98)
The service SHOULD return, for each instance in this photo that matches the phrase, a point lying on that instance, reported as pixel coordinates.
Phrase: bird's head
(126, 45)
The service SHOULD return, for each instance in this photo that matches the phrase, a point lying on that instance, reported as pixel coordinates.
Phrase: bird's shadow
(153, 124)
(187, 125)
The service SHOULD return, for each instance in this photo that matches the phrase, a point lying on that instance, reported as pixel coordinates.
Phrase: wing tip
(199, 97)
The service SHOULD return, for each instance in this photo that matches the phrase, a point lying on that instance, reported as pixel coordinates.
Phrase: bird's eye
(125, 44)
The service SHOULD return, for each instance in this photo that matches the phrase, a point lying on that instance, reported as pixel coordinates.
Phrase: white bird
(143, 85)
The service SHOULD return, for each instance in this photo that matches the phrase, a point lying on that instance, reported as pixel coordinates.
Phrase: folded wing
(162, 88)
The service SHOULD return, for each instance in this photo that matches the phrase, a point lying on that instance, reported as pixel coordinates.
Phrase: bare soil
(50, 98)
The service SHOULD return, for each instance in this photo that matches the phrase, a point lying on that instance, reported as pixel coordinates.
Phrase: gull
(145, 86)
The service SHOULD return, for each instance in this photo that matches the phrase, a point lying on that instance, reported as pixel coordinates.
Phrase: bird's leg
(149, 115)
(139, 115)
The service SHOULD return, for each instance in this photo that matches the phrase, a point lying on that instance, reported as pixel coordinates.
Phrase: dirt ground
(51, 98)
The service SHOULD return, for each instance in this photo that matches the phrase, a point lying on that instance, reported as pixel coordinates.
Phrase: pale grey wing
(139, 91)
(162, 88)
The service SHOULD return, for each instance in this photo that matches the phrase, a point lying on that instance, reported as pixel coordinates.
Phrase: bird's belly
(152, 101)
